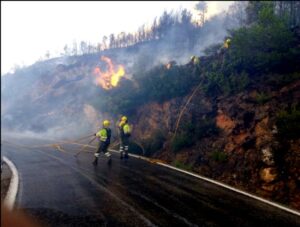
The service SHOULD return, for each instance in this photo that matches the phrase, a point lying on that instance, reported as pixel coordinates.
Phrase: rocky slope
(246, 150)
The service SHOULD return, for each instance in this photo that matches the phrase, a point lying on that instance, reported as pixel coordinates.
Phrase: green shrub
(238, 82)
(219, 83)
(180, 141)
(262, 98)
(216, 84)
(135, 148)
(282, 79)
(219, 156)
(266, 46)
(181, 165)
(206, 127)
(288, 123)
(155, 143)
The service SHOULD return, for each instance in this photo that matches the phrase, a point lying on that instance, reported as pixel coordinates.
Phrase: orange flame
(110, 78)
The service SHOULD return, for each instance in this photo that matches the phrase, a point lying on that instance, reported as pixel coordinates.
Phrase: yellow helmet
(124, 118)
(106, 123)
(196, 60)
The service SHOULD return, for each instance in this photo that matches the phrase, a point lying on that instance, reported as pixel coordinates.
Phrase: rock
(241, 138)
(292, 87)
(268, 174)
(260, 115)
(267, 156)
(224, 122)
(262, 132)
(274, 130)
(268, 187)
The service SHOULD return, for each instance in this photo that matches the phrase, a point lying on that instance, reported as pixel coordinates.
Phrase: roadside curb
(10, 197)
(161, 163)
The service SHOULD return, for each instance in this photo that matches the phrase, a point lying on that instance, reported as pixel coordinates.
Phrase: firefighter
(224, 48)
(194, 60)
(124, 132)
(227, 43)
(104, 140)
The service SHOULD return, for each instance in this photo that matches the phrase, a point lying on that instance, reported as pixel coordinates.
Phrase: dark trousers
(124, 145)
(102, 147)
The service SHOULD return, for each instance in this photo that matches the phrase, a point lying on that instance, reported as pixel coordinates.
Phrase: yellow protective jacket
(104, 135)
(125, 129)
(227, 43)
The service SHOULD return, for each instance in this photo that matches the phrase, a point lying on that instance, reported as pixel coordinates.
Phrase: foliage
(181, 165)
(155, 143)
(204, 128)
(180, 141)
(280, 80)
(161, 84)
(219, 156)
(193, 131)
(262, 98)
(135, 148)
(218, 83)
(266, 46)
(288, 123)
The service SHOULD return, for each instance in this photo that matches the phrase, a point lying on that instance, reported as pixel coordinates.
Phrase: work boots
(108, 155)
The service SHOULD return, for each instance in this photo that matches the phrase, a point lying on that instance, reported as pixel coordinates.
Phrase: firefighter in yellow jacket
(104, 141)
(125, 133)
(227, 43)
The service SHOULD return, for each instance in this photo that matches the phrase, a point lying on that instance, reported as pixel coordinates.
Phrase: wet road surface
(62, 190)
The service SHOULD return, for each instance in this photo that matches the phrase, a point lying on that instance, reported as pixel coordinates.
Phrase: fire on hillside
(110, 78)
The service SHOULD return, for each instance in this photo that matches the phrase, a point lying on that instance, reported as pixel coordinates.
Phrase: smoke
(58, 98)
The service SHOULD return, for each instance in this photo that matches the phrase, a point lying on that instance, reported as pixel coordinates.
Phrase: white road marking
(10, 197)
(218, 183)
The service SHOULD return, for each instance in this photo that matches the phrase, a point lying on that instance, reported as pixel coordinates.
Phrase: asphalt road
(61, 190)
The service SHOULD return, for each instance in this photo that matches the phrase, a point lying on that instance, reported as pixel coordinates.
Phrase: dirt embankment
(247, 151)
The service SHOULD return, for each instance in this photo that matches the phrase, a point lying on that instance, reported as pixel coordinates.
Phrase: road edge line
(218, 183)
(11, 194)
(233, 189)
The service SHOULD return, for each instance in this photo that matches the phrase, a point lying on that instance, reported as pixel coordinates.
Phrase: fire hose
(84, 146)
(58, 145)
(183, 109)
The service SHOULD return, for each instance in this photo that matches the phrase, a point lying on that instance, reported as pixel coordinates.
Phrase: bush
(266, 46)
(262, 98)
(180, 141)
(238, 82)
(280, 80)
(135, 148)
(288, 123)
(181, 165)
(205, 128)
(219, 156)
(216, 84)
(155, 143)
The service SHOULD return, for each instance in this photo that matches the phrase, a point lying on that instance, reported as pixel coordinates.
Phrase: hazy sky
(29, 29)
